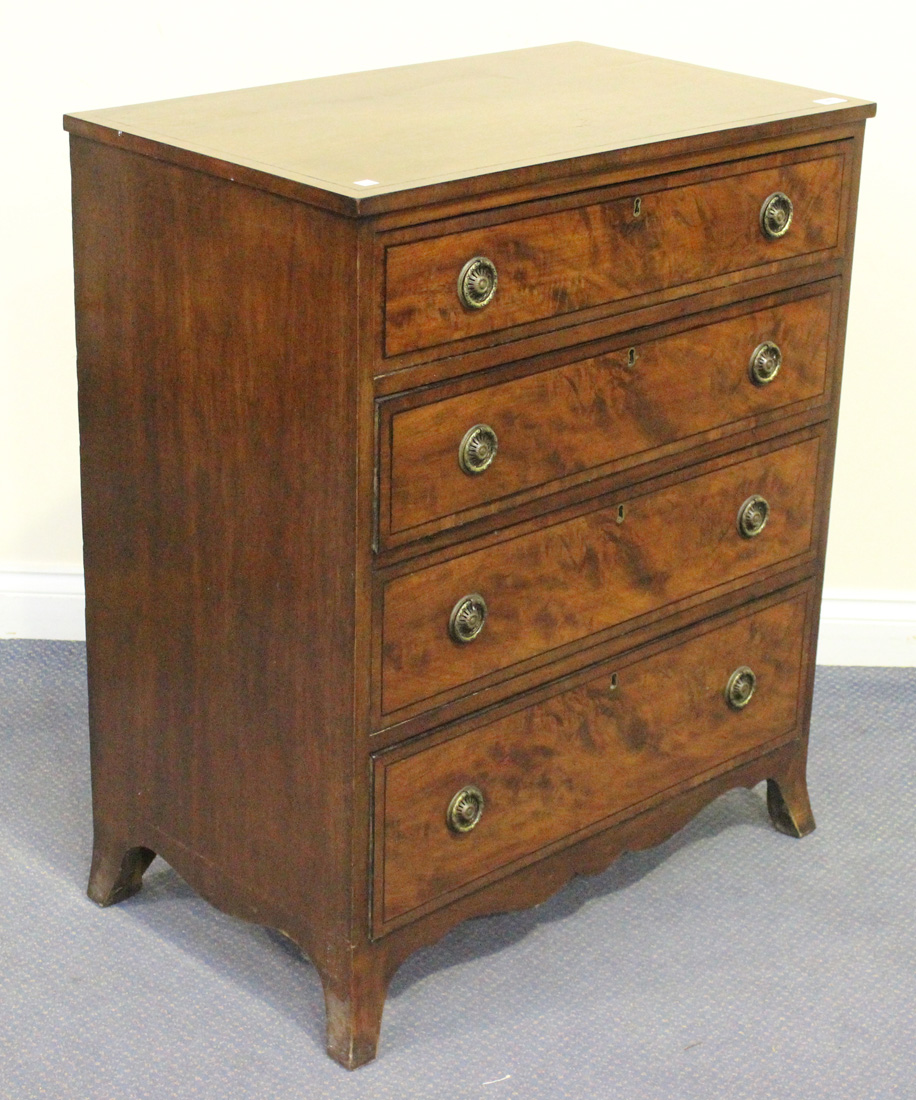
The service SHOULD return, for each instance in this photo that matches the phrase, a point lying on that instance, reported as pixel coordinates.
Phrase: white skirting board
(859, 626)
(867, 626)
(42, 605)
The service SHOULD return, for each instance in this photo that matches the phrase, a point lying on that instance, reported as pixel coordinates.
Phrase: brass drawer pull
(766, 359)
(478, 449)
(752, 517)
(467, 618)
(477, 282)
(740, 687)
(465, 810)
(776, 215)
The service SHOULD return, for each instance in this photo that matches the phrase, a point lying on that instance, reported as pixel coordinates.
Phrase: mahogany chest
(456, 450)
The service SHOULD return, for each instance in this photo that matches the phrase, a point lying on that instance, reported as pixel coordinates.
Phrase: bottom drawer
(556, 770)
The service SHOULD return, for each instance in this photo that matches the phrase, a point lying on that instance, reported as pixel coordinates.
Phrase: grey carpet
(730, 962)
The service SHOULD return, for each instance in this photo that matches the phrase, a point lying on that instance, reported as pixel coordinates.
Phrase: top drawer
(667, 238)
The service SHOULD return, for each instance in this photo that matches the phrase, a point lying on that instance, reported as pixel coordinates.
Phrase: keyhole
(637, 207)
(621, 513)
(631, 357)
(613, 684)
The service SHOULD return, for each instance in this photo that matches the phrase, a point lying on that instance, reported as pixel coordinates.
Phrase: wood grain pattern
(576, 578)
(530, 882)
(561, 766)
(558, 422)
(242, 621)
(211, 360)
(560, 263)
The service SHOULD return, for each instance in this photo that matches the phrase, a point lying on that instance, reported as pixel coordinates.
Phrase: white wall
(60, 57)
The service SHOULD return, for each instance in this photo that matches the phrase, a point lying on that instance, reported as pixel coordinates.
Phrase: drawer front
(566, 764)
(564, 582)
(628, 403)
(562, 262)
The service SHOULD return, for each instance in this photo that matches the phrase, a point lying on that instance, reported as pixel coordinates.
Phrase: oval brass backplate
(477, 282)
(477, 449)
(776, 215)
(465, 809)
(467, 618)
(752, 517)
(740, 687)
(766, 359)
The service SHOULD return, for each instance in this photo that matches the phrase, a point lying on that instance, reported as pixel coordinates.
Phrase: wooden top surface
(426, 124)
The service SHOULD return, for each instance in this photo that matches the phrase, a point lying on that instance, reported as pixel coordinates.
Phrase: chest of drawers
(456, 448)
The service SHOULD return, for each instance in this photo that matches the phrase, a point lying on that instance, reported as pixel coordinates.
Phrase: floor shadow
(270, 968)
(54, 818)
(480, 937)
(259, 961)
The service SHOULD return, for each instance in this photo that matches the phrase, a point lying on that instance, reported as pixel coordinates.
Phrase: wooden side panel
(555, 423)
(573, 259)
(581, 576)
(554, 769)
(215, 342)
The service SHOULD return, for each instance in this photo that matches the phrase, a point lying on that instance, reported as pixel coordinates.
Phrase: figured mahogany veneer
(605, 252)
(630, 731)
(567, 581)
(275, 375)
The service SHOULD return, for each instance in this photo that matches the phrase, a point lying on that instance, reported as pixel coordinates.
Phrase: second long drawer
(484, 611)
(450, 454)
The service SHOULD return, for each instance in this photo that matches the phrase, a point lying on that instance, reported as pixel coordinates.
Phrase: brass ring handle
(467, 618)
(478, 449)
(766, 359)
(752, 517)
(477, 283)
(465, 809)
(740, 687)
(776, 215)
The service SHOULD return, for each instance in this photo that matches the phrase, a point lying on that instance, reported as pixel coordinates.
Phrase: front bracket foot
(354, 999)
(789, 806)
(117, 874)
